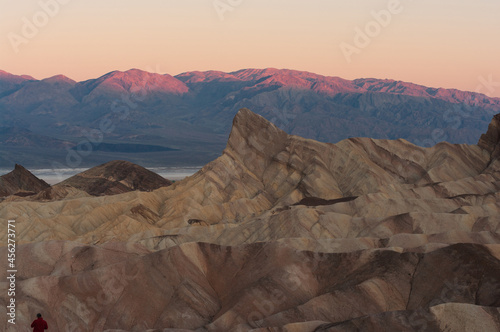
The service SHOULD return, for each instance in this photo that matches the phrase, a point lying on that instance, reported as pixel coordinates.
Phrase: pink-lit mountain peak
(59, 79)
(265, 76)
(278, 74)
(206, 76)
(272, 77)
(411, 89)
(296, 79)
(5, 76)
(134, 79)
(388, 85)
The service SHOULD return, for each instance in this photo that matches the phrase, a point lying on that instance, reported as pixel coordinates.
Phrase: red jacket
(39, 325)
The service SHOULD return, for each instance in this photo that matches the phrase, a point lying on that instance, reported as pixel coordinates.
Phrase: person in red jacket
(39, 324)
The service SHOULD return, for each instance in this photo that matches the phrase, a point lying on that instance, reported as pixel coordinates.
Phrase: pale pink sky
(451, 44)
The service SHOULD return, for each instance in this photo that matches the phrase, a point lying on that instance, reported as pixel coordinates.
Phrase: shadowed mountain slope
(20, 181)
(115, 177)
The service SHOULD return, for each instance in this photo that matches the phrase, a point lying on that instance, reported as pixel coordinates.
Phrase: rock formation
(279, 233)
(20, 182)
(115, 177)
(491, 140)
(112, 178)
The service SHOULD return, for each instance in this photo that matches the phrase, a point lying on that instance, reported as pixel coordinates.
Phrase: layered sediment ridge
(279, 232)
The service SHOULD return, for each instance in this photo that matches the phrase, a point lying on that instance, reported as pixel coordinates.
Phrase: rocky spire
(254, 140)
(20, 180)
(491, 140)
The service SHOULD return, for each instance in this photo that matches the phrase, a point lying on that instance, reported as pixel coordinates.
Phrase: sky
(445, 43)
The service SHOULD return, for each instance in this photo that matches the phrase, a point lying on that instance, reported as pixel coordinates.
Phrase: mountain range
(138, 116)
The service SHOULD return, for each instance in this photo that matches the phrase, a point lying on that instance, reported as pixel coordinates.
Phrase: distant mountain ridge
(190, 114)
(179, 84)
